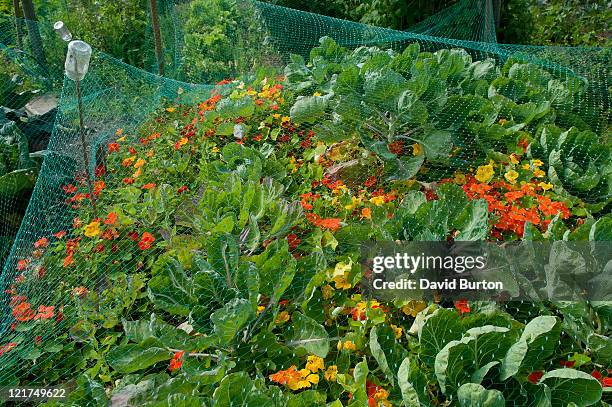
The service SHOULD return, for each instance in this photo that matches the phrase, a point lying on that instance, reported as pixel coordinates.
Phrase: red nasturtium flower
(606, 382)
(146, 241)
(113, 148)
(182, 189)
(462, 306)
(177, 361)
(69, 189)
(60, 234)
(293, 241)
(370, 182)
(596, 374)
(128, 180)
(534, 377)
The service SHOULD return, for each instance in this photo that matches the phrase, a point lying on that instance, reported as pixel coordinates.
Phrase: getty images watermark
(533, 271)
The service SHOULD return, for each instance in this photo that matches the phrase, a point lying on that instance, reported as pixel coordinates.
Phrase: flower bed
(220, 263)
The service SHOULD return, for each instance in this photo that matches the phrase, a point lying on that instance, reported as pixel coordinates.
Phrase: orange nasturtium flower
(295, 379)
(150, 185)
(111, 219)
(462, 306)
(177, 361)
(146, 241)
(41, 243)
(45, 313)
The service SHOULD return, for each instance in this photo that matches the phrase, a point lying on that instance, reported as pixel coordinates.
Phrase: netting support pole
(497, 12)
(157, 36)
(35, 40)
(18, 16)
(92, 197)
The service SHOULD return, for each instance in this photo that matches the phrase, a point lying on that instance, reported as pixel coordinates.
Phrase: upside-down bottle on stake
(76, 67)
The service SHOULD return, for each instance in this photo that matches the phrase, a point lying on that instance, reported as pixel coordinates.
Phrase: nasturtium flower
(417, 149)
(128, 161)
(366, 213)
(545, 185)
(7, 348)
(378, 200)
(93, 229)
(485, 172)
(526, 166)
(534, 377)
(150, 185)
(294, 379)
(511, 176)
(146, 241)
(111, 218)
(331, 373)
(41, 243)
(177, 361)
(282, 317)
(514, 159)
(140, 163)
(45, 313)
(260, 309)
(459, 178)
(537, 163)
(462, 306)
(397, 330)
(538, 173)
(355, 201)
(113, 148)
(314, 363)
(22, 312)
(328, 291)
(347, 345)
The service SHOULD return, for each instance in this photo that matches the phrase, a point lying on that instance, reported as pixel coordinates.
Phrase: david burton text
(426, 284)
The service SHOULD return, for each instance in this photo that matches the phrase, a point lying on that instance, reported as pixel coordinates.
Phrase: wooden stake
(34, 34)
(157, 37)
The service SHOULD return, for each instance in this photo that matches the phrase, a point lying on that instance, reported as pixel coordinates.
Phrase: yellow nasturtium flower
(93, 229)
(378, 200)
(539, 173)
(417, 149)
(485, 172)
(331, 373)
(511, 176)
(315, 363)
(545, 185)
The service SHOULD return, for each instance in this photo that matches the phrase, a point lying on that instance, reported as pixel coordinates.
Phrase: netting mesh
(208, 252)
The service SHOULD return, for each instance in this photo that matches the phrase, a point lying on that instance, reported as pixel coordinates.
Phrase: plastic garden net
(199, 239)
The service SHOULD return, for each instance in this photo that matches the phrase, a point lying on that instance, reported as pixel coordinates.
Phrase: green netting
(209, 251)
